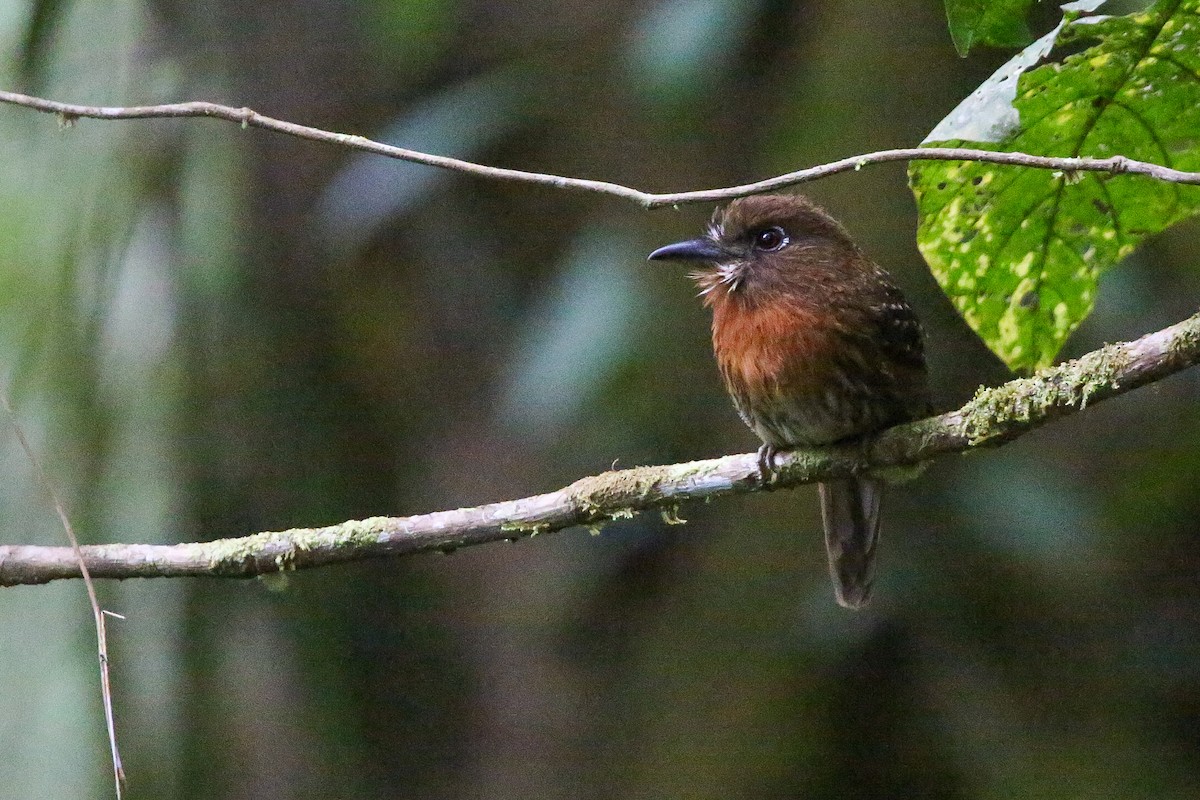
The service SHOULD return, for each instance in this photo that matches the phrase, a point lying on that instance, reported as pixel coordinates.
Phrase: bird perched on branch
(816, 345)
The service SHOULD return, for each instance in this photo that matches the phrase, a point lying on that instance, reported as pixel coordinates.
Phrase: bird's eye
(770, 239)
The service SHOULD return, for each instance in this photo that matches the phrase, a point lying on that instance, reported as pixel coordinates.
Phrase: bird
(816, 345)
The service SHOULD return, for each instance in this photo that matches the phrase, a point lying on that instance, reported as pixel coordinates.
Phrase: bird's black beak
(703, 249)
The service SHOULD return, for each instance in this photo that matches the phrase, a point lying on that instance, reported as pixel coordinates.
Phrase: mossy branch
(994, 416)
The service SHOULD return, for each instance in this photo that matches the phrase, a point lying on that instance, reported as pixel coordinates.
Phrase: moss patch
(995, 413)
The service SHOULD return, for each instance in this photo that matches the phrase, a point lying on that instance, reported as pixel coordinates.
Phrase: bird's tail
(850, 511)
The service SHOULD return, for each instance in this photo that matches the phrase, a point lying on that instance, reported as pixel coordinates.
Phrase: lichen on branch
(992, 417)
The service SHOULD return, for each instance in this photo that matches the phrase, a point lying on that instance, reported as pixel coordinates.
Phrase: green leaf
(1019, 251)
(999, 23)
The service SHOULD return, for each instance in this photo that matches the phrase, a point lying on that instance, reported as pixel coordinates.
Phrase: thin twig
(994, 416)
(68, 113)
(98, 613)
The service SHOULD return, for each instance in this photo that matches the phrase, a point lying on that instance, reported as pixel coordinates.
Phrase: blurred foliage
(210, 331)
(1020, 251)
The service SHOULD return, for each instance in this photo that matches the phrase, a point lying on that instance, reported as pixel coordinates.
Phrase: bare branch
(994, 416)
(98, 613)
(68, 113)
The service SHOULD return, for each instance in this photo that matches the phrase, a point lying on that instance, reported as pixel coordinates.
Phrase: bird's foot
(768, 473)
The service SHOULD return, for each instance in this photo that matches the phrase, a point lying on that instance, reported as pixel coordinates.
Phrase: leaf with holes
(1019, 251)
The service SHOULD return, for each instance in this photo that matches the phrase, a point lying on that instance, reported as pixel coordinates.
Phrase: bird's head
(763, 244)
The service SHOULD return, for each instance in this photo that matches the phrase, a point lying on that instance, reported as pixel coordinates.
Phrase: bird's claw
(768, 473)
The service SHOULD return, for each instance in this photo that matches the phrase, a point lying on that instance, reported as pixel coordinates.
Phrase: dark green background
(209, 331)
